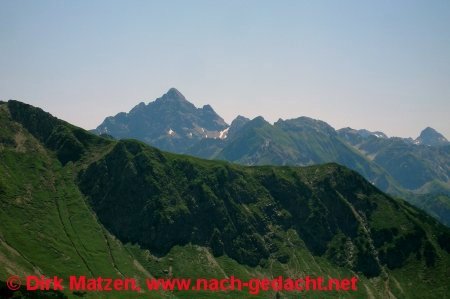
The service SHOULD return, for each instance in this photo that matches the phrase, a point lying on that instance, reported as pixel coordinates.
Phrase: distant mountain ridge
(399, 166)
(428, 136)
(431, 137)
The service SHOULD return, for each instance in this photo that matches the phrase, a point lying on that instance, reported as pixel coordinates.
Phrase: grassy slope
(402, 237)
(47, 226)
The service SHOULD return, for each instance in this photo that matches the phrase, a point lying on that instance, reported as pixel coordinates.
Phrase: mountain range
(74, 203)
(415, 169)
(170, 123)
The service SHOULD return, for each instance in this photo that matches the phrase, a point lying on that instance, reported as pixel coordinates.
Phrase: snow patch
(171, 132)
(224, 134)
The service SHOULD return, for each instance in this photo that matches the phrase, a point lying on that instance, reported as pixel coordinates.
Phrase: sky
(378, 65)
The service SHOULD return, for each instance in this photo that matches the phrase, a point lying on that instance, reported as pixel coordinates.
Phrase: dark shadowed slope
(201, 218)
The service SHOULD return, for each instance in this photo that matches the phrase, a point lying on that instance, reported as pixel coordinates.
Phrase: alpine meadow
(76, 203)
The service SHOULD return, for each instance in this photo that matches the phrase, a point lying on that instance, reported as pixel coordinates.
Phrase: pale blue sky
(380, 65)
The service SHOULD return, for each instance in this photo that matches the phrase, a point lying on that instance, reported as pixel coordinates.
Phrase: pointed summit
(239, 121)
(237, 124)
(173, 93)
(170, 123)
(430, 136)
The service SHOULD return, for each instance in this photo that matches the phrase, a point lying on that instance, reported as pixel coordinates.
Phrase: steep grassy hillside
(70, 201)
(398, 166)
(46, 226)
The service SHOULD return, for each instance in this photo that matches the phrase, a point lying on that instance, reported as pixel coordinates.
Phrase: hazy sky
(380, 65)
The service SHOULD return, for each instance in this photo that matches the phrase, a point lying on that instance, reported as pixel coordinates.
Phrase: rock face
(431, 137)
(170, 123)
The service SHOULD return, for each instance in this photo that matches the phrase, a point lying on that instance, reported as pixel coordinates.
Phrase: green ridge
(70, 201)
